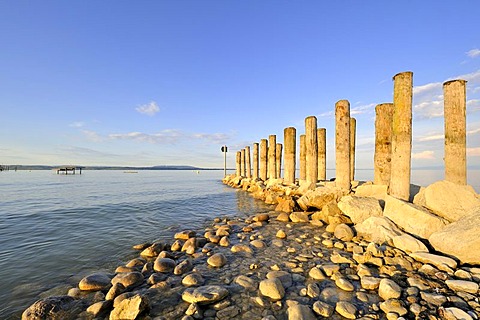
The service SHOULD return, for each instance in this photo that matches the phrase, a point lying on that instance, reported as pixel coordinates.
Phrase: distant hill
(161, 167)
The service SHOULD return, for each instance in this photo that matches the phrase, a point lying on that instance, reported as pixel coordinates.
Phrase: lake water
(54, 229)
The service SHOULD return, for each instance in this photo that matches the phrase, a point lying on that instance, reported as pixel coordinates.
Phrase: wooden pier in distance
(66, 170)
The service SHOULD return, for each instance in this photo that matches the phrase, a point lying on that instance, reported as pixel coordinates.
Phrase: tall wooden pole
(454, 93)
(263, 159)
(242, 163)
(272, 146)
(401, 136)
(353, 128)
(311, 145)
(278, 160)
(248, 165)
(303, 156)
(289, 140)
(322, 153)
(342, 144)
(237, 163)
(255, 160)
(383, 144)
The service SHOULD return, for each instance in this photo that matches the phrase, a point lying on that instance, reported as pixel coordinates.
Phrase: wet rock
(317, 274)
(95, 282)
(389, 289)
(57, 307)
(217, 260)
(346, 309)
(205, 295)
(330, 269)
(246, 282)
(283, 276)
(344, 284)
(137, 262)
(272, 288)
(259, 244)
(323, 309)
(228, 313)
(183, 267)
(130, 308)
(153, 250)
(185, 235)
(99, 308)
(281, 234)
(142, 246)
(283, 217)
(128, 280)
(193, 279)
(300, 312)
(189, 246)
(164, 265)
(313, 290)
(224, 241)
(241, 248)
(115, 291)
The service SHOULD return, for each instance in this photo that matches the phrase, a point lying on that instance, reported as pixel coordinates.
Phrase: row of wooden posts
(393, 143)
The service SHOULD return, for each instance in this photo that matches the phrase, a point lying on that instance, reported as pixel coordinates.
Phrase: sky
(147, 83)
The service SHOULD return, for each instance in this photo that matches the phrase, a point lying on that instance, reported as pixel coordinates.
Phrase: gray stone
(95, 282)
(272, 288)
(323, 309)
(153, 250)
(246, 282)
(241, 248)
(205, 295)
(56, 307)
(164, 265)
(217, 260)
(283, 276)
(99, 308)
(300, 312)
(128, 280)
(193, 279)
(115, 291)
(183, 267)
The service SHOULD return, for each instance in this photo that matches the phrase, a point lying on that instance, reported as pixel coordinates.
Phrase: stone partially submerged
(54, 308)
(460, 238)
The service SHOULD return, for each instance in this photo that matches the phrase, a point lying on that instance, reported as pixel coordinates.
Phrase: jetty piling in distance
(311, 146)
(322, 153)
(255, 161)
(289, 140)
(272, 153)
(383, 144)
(248, 164)
(242, 163)
(303, 156)
(238, 160)
(278, 160)
(353, 138)
(263, 159)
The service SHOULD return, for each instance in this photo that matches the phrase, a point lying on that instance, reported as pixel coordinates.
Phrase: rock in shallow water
(217, 260)
(164, 265)
(95, 282)
(205, 294)
(57, 307)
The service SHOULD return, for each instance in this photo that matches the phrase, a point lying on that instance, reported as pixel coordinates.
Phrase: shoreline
(319, 270)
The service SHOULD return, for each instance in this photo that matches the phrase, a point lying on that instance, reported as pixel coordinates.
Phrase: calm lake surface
(55, 229)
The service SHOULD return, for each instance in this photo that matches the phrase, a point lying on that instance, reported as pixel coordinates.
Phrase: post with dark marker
(224, 150)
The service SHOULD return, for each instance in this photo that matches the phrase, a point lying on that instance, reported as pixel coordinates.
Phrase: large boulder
(448, 200)
(412, 218)
(95, 282)
(378, 229)
(360, 208)
(460, 238)
(377, 191)
(130, 308)
(55, 308)
(285, 204)
(319, 197)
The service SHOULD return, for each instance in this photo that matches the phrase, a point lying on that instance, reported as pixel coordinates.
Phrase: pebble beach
(283, 264)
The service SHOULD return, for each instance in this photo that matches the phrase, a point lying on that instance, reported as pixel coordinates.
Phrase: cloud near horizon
(150, 109)
(427, 154)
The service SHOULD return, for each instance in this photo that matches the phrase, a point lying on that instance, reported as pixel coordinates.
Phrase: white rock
(463, 286)
(378, 229)
(409, 244)
(358, 209)
(441, 262)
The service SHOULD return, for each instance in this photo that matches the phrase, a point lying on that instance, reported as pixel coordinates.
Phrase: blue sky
(168, 82)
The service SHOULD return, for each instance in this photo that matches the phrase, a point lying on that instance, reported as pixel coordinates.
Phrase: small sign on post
(224, 150)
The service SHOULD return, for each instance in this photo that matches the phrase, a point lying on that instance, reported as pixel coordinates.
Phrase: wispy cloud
(428, 154)
(473, 152)
(149, 109)
(362, 109)
(77, 124)
(92, 135)
(473, 53)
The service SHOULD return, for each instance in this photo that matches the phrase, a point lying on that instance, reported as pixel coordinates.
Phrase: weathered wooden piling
(272, 146)
(401, 136)
(238, 160)
(311, 146)
(255, 161)
(248, 164)
(289, 140)
(322, 153)
(303, 155)
(383, 144)
(278, 160)
(242, 163)
(263, 159)
(454, 93)
(353, 138)
(342, 144)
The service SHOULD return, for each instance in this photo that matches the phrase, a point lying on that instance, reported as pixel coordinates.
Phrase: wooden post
(238, 160)
(278, 160)
(401, 136)
(289, 139)
(263, 159)
(272, 146)
(322, 153)
(342, 144)
(383, 144)
(242, 163)
(454, 93)
(353, 127)
(255, 160)
(311, 145)
(303, 156)
(248, 165)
